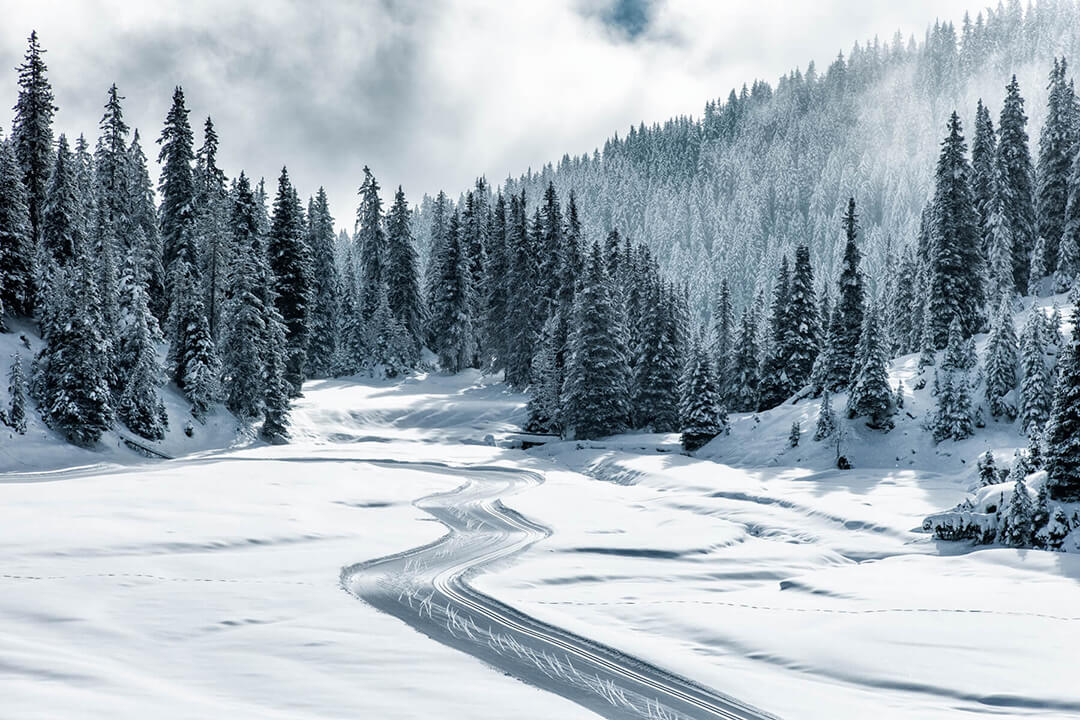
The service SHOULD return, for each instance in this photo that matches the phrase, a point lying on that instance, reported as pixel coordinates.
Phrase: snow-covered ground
(208, 585)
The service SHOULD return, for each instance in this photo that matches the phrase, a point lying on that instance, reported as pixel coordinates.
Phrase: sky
(429, 93)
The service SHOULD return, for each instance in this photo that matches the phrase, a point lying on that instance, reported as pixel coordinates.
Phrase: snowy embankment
(208, 587)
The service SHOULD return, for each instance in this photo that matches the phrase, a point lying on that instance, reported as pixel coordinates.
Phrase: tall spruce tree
(140, 406)
(496, 279)
(1001, 360)
(802, 330)
(290, 263)
(211, 220)
(955, 262)
(177, 187)
(1035, 377)
(847, 318)
(370, 237)
(326, 283)
(1057, 145)
(16, 412)
(775, 385)
(146, 237)
(62, 229)
(744, 367)
(871, 396)
(595, 397)
(999, 254)
(522, 296)
(1016, 182)
(703, 416)
(723, 331)
(402, 274)
(17, 247)
(983, 173)
(953, 418)
(1063, 429)
(32, 134)
(451, 316)
(657, 371)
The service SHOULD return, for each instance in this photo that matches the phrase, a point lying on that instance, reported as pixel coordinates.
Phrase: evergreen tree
(62, 229)
(744, 369)
(434, 269)
(1035, 382)
(1063, 428)
(1037, 267)
(983, 174)
(140, 406)
(826, 422)
(955, 268)
(999, 254)
(904, 330)
(723, 327)
(1001, 364)
(402, 278)
(871, 395)
(775, 386)
(277, 388)
(847, 318)
(211, 219)
(953, 418)
(290, 264)
(1057, 143)
(326, 283)
(657, 370)
(1069, 251)
(595, 395)
(544, 397)
(801, 327)
(496, 286)
(703, 413)
(16, 414)
(1016, 528)
(522, 297)
(371, 244)
(795, 434)
(192, 353)
(146, 238)
(177, 188)
(451, 317)
(988, 474)
(1016, 180)
(17, 250)
(32, 134)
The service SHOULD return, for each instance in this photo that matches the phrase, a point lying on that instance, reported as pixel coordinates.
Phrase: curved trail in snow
(427, 587)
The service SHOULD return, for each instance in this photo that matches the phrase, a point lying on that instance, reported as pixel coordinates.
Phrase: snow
(208, 585)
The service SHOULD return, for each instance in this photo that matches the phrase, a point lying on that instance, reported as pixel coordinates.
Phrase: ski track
(427, 587)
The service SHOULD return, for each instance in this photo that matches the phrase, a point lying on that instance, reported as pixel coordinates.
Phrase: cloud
(429, 93)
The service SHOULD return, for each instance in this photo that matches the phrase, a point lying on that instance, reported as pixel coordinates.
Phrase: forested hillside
(771, 165)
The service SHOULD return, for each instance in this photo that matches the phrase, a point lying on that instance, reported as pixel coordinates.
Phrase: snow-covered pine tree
(1037, 268)
(192, 352)
(211, 220)
(17, 247)
(1069, 250)
(775, 386)
(475, 227)
(723, 331)
(32, 135)
(655, 387)
(795, 434)
(1000, 254)
(1063, 429)
(744, 368)
(847, 317)
(16, 412)
(703, 415)
(276, 389)
(983, 174)
(1057, 143)
(802, 330)
(451, 317)
(290, 264)
(1016, 181)
(62, 229)
(326, 284)
(496, 277)
(826, 421)
(871, 396)
(401, 274)
(953, 418)
(1001, 360)
(955, 261)
(370, 237)
(521, 298)
(440, 216)
(1035, 377)
(1016, 529)
(140, 406)
(595, 398)
(544, 396)
(146, 238)
(988, 474)
(177, 187)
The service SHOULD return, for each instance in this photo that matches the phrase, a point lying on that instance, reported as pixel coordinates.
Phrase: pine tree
(440, 215)
(1016, 180)
(177, 188)
(802, 330)
(1037, 267)
(656, 372)
(192, 352)
(1016, 528)
(451, 317)
(496, 287)
(146, 238)
(402, 278)
(983, 174)
(521, 298)
(723, 327)
(1000, 254)
(62, 229)
(795, 434)
(371, 243)
(826, 422)
(595, 397)
(277, 388)
(703, 413)
(744, 369)
(16, 414)
(1056, 149)
(32, 134)
(290, 264)
(847, 318)
(17, 261)
(326, 283)
(211, 219)
(870, 394)
(955, 261)
(544, 396)
(1035, 378)
(988, 474)
(953, 418)
(140, 406)
(1063, 428)
(774, 386)
(1069, 251)
(1001, 363)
